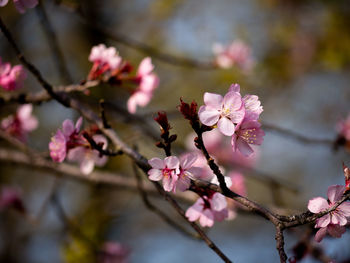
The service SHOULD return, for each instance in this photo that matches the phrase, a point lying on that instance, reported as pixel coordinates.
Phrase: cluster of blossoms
(71, 144)
(333, 222)
(234, 116)
(21, 123)
(21, 5)
(236, 54)
(109, 66)
(343, 129)
(11, 78)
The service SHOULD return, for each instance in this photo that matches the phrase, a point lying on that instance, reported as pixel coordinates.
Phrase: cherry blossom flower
(20, 124)
(249, 132)
(66, 139)
(88, 157)
(236, 54)
(21, 5)
(11, 78)
(225, 112)
(166, 170)
(176, 173)
(208, 209)
(252, 104)
(333, 222)
(104, 59)
(147, 81)
(347, 177)
(113, 252)
(10, 197)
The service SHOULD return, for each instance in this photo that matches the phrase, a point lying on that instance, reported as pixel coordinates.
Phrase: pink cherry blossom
(20, 124)
(208, 209)
(21, 5)
(88, 157)
(66, 139)
(236, 54)
(10, 197)
(104, 59)
(166, 170)
(113, 252)
(187, 171)
(225, 112)
(333, 222)
(11, 78)
(147, 81)
(252, 104)
(248, 133)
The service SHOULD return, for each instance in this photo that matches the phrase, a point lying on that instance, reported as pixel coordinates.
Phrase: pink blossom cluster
(333, 222)
(108, 65)
(175, 173)
(11, 78)
(21, 5)
(236, 54)
(71, 144)
(21, 123)
(234, 116)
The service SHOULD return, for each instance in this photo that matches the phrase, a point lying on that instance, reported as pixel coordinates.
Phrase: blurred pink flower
(10, 197)
(226, 112)
(20, 124)
(208, 209)
(343, 128)
(248, 133)
(21, 5)
(236, 54)
(252, 104)
(333, 222)
(65, 140)
(88, 157)
(113, 252)
(11, 78)
(104, 59)
(148, 82)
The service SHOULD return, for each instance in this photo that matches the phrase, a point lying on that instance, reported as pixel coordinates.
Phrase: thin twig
(53, 42)
(155, 209)
(280, 244)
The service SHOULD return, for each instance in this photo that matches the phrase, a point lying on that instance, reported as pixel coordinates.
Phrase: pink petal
(221, 215)
(87, 165)
(168, 184)
(149, 83)
(194, 212)
(206, 218)
(235, 88)
(338, 219)
(233, 101)
(172, 162)
(25, 111)
(335, 192)
(194, 172)
(183, 183)
(212, 100)
(244, 147)
(320, 234)
(238, 115)
(155, 174)
(208, 116)
(344, 209)
(3, 2)
(78, 124)
(218, 202)
(68, 127)
(156, 163)
(145, 67)
(323, 221)
(187, 160)
(317, 205)
(226, 126)
(77, 154)
(336, 231)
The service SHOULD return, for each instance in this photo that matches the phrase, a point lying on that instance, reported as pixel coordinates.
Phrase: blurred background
(301, 75)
